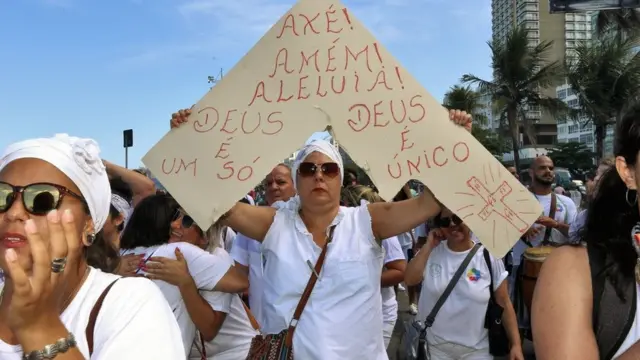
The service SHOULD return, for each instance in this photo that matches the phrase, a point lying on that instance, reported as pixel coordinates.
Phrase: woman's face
(452, 227)
(184, 229)
(279, 185)
(24, 172)
(319, 180)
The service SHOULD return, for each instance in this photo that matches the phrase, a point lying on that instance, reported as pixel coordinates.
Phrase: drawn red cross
(494, 203)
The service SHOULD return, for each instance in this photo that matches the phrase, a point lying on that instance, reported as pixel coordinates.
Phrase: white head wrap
(77, 158)
(122, 205)
(321, 146)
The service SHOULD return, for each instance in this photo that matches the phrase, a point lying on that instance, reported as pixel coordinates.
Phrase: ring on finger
(58, 265)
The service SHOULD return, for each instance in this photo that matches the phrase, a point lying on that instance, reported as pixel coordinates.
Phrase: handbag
(280, 346)
(498, 340)
(416, 345)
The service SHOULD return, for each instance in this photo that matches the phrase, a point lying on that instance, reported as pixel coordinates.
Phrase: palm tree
(621, 22)
(606, 78)
(464, 98)
(519, 72)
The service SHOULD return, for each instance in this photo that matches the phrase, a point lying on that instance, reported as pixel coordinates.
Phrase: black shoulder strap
(487, 259)
(454, 280)
(612, 317)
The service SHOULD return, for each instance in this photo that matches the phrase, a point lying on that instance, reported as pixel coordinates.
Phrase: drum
(531, 265)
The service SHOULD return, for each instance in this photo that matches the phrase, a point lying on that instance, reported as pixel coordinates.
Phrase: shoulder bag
(416, 334)
(498, 340)
(280, 346)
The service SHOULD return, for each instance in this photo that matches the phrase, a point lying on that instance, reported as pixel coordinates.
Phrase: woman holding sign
(323, 261)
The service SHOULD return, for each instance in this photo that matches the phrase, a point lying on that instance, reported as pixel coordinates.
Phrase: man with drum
(550, 230)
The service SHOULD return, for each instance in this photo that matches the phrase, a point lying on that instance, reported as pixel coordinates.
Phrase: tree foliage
(519, 72)
(575, 156)
(605, 76)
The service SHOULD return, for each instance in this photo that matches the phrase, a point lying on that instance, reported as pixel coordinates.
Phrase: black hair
(613, 211)
(150, 222)
(400, 196)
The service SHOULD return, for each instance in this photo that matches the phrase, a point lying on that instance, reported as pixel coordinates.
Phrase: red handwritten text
(382, 113)
(437, 157)
(240, 173)
(179, 166)
(314, 24)
(329, 60)
(239, 122)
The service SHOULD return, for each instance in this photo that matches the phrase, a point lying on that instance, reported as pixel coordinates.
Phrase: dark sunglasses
(443, 222)
(38, 198)
(308, 169)
(186, 220)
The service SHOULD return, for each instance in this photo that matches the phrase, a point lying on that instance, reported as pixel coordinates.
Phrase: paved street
(395, 350)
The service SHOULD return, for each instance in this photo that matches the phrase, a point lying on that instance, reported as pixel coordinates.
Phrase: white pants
(387, 331)
(439, 349)
(451, 351)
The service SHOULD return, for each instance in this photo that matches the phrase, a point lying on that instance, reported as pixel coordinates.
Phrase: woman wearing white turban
(54, 200)
(343, 317)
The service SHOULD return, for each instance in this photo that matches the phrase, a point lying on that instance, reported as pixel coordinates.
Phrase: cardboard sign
(319, 66)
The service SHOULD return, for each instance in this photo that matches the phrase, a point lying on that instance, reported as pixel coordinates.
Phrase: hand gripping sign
(318, 67)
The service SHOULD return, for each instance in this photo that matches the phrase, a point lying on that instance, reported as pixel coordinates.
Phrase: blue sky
(94, 68)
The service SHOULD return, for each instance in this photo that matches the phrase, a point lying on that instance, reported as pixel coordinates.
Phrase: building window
(586, 139)
(562, 94)
(573, 129)
(573, 103)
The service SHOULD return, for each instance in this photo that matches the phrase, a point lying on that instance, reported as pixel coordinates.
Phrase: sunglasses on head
(186, 221)
(308, 169)
(443, 222)
(38, 198)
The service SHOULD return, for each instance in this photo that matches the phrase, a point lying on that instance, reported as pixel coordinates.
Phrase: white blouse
(343, 318)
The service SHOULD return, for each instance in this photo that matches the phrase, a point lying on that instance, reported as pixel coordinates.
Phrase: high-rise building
(565, 30)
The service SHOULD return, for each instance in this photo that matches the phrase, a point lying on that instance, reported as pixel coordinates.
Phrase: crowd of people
(98, 265)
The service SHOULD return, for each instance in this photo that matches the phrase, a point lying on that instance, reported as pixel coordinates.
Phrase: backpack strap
(612, 317)
(93, 316)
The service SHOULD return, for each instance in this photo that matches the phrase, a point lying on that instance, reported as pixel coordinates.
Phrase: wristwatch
(52, 350)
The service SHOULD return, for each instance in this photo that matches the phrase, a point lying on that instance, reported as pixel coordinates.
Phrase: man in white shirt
(246, 252)
(551, 228)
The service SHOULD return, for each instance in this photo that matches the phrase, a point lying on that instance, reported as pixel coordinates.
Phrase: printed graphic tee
(461, 318)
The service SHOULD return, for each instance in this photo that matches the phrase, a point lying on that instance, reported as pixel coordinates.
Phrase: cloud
(236, 25)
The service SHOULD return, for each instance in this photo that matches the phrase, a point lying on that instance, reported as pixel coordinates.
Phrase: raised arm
(252, 221)
(562, 306)
(394, 218)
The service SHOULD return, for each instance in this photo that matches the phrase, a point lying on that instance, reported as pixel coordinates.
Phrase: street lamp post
(127, 139)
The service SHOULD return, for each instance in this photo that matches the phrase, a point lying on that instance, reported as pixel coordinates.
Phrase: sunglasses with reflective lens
(309, 169)
(186, 221)
(443, 222)
(38, 198)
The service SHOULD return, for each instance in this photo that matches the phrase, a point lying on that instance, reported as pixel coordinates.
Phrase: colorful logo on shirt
(474, 274)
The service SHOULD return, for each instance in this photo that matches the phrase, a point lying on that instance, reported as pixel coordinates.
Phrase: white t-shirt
(343, 318)
(461, 318)
(392, 252)
(248, 252)
(228, 236)
(205, 268)
(634, 333)
(565, 213)
(421, 231)
(234, 337)
(134, 322)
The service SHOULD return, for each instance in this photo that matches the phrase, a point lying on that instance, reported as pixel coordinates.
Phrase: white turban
(123, 207)
(77, 158)
(321, 146)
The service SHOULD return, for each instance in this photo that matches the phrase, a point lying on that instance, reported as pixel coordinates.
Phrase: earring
(91, 238)
(632, 202)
